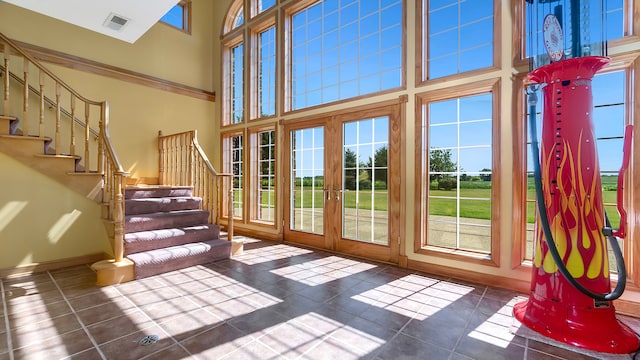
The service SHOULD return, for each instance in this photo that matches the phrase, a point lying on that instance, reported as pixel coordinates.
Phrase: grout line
(6, 321)
(470, 319)
(154, 323)
(73, 311)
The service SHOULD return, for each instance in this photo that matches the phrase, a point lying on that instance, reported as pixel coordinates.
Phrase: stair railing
(100, 158)
(182, 162)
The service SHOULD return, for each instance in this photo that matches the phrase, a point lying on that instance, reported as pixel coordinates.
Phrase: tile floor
(274, 302)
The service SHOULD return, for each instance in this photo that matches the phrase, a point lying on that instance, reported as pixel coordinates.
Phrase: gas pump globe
(571, 296)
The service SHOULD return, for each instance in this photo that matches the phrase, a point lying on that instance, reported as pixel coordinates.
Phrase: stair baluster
(41, 124)
(25, 99)
(7, 104)
(57, 141)
(86, 138)
(72, 149)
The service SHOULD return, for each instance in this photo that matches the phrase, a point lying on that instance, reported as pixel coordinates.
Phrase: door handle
(327, 194)
(338, 193)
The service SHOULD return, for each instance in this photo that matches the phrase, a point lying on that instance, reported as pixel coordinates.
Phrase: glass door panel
(307, 180)
(341, 193)
(365, 202)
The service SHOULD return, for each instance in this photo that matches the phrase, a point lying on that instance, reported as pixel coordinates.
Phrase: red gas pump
(571, 297)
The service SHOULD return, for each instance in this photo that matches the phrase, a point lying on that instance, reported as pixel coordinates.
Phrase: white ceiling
(92, 14)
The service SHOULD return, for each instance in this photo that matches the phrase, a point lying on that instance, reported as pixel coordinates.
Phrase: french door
(342, 183)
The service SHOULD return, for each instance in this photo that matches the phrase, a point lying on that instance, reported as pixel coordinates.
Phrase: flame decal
(575, 212)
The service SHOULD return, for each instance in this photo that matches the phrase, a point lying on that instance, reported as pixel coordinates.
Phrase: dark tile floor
(273, 302)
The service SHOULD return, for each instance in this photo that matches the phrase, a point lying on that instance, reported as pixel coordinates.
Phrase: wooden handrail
(49, 101)
(37, 64)
(106, 160)
(182, 162)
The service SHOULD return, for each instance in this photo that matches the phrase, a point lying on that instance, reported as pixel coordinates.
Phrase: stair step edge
(161, 214)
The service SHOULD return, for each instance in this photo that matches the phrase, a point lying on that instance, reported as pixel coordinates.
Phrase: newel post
(118, 215)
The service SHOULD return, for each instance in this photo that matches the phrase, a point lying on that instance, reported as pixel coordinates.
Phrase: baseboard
(517, 285)
(627, 307)
(50, 265)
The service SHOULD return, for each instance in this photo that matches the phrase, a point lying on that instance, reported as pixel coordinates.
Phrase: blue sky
(347, 48)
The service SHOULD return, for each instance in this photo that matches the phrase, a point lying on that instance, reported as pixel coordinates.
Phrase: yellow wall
(137, 112)
(30, 204)
(42, 220)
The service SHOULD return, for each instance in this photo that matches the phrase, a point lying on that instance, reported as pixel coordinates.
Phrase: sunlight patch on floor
(322, 271)
(496, 329)
(277, 252)
(414, 296)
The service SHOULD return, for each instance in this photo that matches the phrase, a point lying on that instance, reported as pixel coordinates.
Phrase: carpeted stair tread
(165, 220)
(166, 230)
(156, 192)
(160, 238)
(158, 261)
(164, 204)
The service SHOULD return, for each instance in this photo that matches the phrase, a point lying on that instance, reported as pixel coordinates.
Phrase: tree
(440, 161)
(378, 167)
(485, 177)
(350, 166)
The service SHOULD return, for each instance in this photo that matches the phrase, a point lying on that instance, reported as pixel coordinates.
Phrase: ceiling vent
(116, 22)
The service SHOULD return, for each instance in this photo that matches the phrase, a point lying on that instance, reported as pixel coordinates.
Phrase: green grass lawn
(475, 202)
(314, 198)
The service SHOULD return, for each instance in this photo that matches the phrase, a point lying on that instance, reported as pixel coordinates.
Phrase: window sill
(460, 255)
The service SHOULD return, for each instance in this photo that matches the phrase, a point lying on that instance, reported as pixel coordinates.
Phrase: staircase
(36, 152)
(153, 229)
(165, 230)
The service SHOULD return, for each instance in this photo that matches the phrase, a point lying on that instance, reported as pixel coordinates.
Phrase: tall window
(456, 176)
(266, 176)
(234, 163)
(179, 16)
(609, 94)
(343, 49)
(459, 36)
(237, 84)
(267, 72)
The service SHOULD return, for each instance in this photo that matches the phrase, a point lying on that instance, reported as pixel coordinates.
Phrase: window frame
(422, 49)
(630, 63)
(186, 17)
(421, 245)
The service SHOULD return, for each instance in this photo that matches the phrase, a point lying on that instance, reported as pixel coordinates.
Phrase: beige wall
(42, 220)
